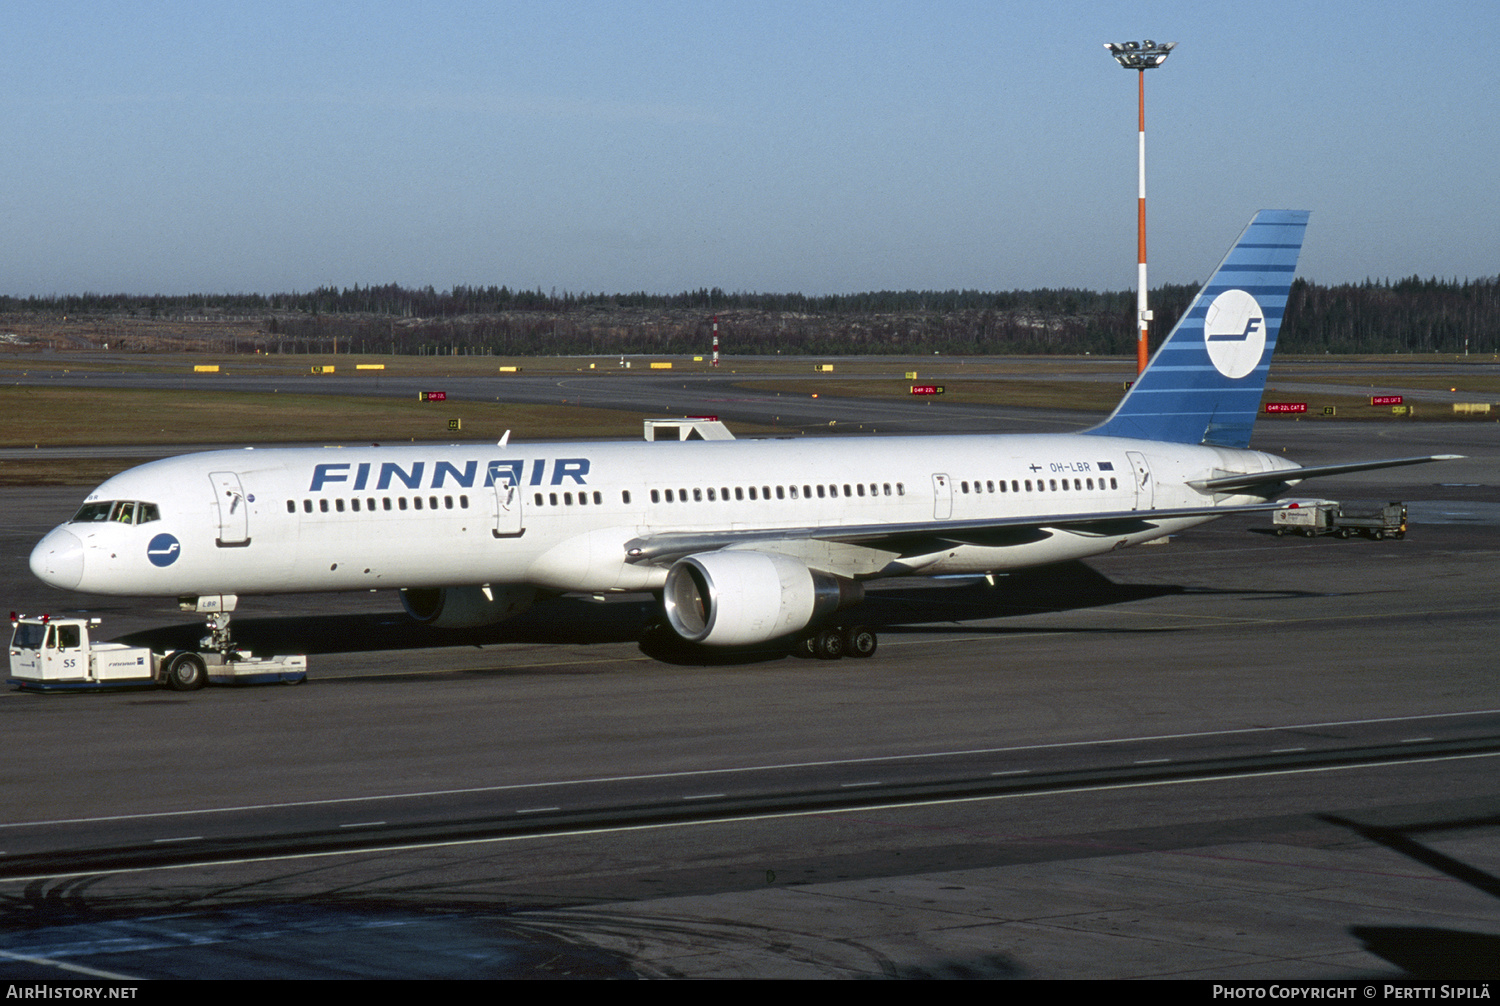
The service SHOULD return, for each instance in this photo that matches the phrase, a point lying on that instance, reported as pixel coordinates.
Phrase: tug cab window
(29, 636)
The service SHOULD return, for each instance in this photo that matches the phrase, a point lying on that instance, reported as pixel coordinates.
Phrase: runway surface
(1229, 756)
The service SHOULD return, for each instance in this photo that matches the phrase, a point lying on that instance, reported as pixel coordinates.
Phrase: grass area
(56, 417)
(345, 365)
(75, 416)
(1483, 387)
(1103, 396)
(1091, 396)
(63, 471)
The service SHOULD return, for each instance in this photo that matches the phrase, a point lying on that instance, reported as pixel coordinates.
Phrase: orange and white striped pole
(1142, 313)
(1141, 56)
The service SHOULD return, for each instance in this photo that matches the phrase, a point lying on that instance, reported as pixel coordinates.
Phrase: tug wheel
(186, 672)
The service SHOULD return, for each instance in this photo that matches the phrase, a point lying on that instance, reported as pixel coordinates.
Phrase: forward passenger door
(507, 507)
(234, 511)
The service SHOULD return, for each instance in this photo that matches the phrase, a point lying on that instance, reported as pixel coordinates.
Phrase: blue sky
(813, 147)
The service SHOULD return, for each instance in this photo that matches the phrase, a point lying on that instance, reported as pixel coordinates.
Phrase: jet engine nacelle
(734, 598)
(466, 607)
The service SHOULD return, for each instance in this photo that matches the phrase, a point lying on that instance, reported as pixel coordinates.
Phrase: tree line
(1409, 315)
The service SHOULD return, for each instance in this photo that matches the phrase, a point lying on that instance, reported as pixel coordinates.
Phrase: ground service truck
(59, 654)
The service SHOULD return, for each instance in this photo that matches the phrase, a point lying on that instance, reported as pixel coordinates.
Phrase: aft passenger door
(234, 512)
(507, 507)
(1145, 490)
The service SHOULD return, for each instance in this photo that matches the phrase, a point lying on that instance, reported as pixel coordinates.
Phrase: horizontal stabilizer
(1228, 483)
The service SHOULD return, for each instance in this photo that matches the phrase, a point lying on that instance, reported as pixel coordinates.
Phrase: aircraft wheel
(806, 646)
(186, 672)
(859, 641)
(829, 644)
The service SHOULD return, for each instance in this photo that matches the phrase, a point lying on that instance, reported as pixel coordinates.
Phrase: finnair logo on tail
(163, 550)
(1252, 325)
(1234, 333)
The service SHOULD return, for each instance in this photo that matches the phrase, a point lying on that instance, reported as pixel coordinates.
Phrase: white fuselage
(558, 516)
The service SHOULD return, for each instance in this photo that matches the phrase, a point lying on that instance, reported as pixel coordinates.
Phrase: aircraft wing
(1228, 483)
(668, 547)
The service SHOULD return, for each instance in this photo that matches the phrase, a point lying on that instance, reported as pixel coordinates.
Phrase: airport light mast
(1141, 56)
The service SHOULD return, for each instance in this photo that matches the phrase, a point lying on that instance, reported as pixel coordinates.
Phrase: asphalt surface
(1231, 756)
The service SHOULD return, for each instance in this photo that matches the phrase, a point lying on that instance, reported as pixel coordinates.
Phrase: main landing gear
(833, 643)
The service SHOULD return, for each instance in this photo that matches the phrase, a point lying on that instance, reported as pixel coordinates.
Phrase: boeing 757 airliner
(745, 540)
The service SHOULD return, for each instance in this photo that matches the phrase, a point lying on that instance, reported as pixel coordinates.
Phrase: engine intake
(735, 598)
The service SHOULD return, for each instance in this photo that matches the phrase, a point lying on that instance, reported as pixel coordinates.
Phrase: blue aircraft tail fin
(1204, 384)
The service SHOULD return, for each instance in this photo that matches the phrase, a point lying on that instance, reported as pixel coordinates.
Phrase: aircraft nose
(58, 559)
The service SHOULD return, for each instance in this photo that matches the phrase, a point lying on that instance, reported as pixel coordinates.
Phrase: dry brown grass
(74, 416)
(58, 417)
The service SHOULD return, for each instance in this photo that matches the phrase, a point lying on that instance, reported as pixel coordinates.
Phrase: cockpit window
(92, 513)
(118, 511)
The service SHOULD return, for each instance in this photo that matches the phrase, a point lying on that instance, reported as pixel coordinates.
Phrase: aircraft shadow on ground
(1426, 951)
(893, 606)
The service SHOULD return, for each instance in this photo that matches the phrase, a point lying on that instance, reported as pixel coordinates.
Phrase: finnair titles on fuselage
(748, 540)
